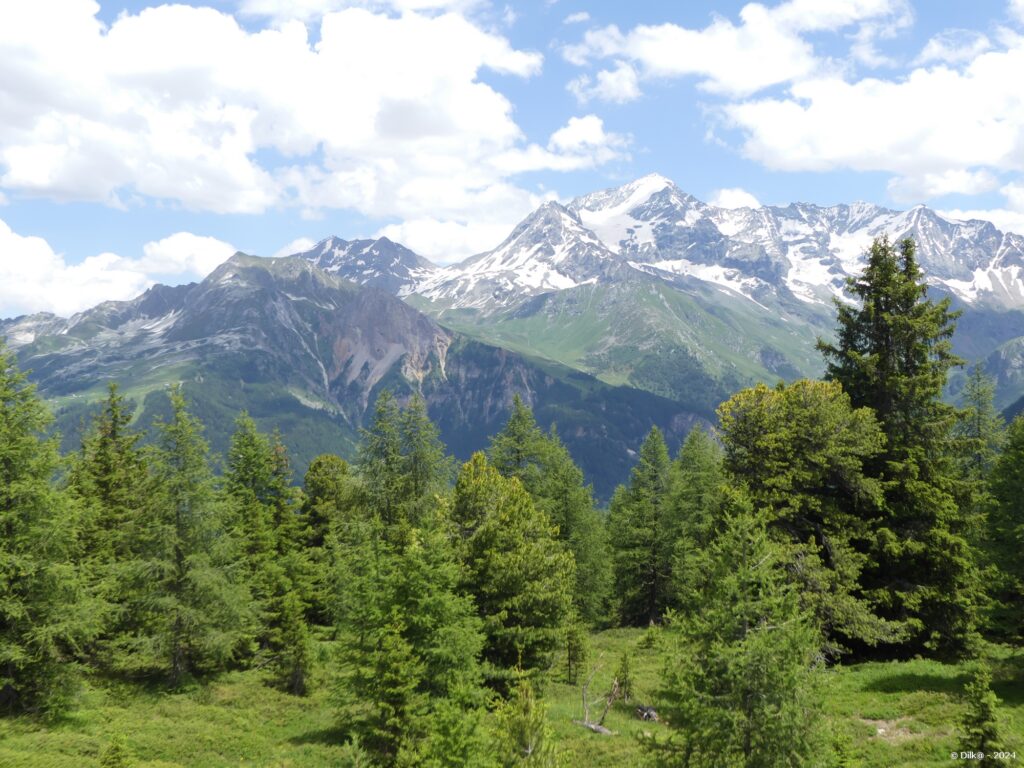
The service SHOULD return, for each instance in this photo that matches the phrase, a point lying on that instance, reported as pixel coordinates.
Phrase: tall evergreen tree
(693, 517)
(1005, 529)
(189, 610)
(402, 461)
(331, 492)
(278, 569)
(555, 483)
(800, 450)
(740, 687)
(107, 476)
(637, 530)
(410, 642)
(893, 354)
(520, 575)
(45, 614)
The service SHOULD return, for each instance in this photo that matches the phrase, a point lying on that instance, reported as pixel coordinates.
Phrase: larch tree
(547, 471)
(740, 686)
(520, 575)
(640, 547)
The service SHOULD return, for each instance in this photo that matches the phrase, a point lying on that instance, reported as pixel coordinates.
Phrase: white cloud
(1003, 218)
(938, 129)
(618, 85)
(766, 48)
(34, 278)
(184, 254)
(580, 17)
(445, 242)
(185, 106)
(954, 46)
(308, 10)
(733, 197)
(1016, 10)
(915, 189)
(299, 245)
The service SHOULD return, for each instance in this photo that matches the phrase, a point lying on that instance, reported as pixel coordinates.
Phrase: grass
(891, 714)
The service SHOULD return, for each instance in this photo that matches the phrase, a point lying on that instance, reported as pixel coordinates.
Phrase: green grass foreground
(889, 714)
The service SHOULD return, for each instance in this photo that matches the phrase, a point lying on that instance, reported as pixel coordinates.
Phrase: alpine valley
(623, 308)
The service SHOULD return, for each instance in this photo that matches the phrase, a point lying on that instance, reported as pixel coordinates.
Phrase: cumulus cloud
(618, 85)
(185, 106)
(937, 128)
(308, 10)
(734, 197)
(580, 17)
(298, 245)
(954, 46)
(767, 47)
(35, 278)
(1016, 10)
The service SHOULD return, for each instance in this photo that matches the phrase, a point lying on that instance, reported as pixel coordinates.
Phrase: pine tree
(801, 450)
(520, 575)
(637, 531)
(555, 483)
(189, 610)
(740, 687)
(893, 355)
(45, 613)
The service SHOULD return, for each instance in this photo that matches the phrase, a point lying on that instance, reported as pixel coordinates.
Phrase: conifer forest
(828, 573)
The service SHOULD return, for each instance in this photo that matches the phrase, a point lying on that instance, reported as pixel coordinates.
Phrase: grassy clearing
(890, 714)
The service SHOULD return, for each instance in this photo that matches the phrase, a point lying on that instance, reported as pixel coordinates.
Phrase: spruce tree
(189, 610)
(1005, 528)
(801, 452)
(108, 479)
(45, 613)
(520, 575)
(555, 483)
(107, 476)
(637, 531)
(277, 565)
(740, 685)
(980, 723)
(893, 354)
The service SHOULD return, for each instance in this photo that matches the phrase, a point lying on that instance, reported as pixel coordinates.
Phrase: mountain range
(619, 309)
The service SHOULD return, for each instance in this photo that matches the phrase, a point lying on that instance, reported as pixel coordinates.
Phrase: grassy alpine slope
(884, 713)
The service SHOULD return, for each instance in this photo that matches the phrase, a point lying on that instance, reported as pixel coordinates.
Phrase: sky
(144, 143)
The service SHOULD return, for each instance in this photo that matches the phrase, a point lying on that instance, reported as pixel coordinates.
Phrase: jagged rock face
(380, 263)
(549, 251)
(307, 351)
(800, 251)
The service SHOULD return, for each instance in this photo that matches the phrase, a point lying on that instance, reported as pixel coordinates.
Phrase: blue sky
(143, 143)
